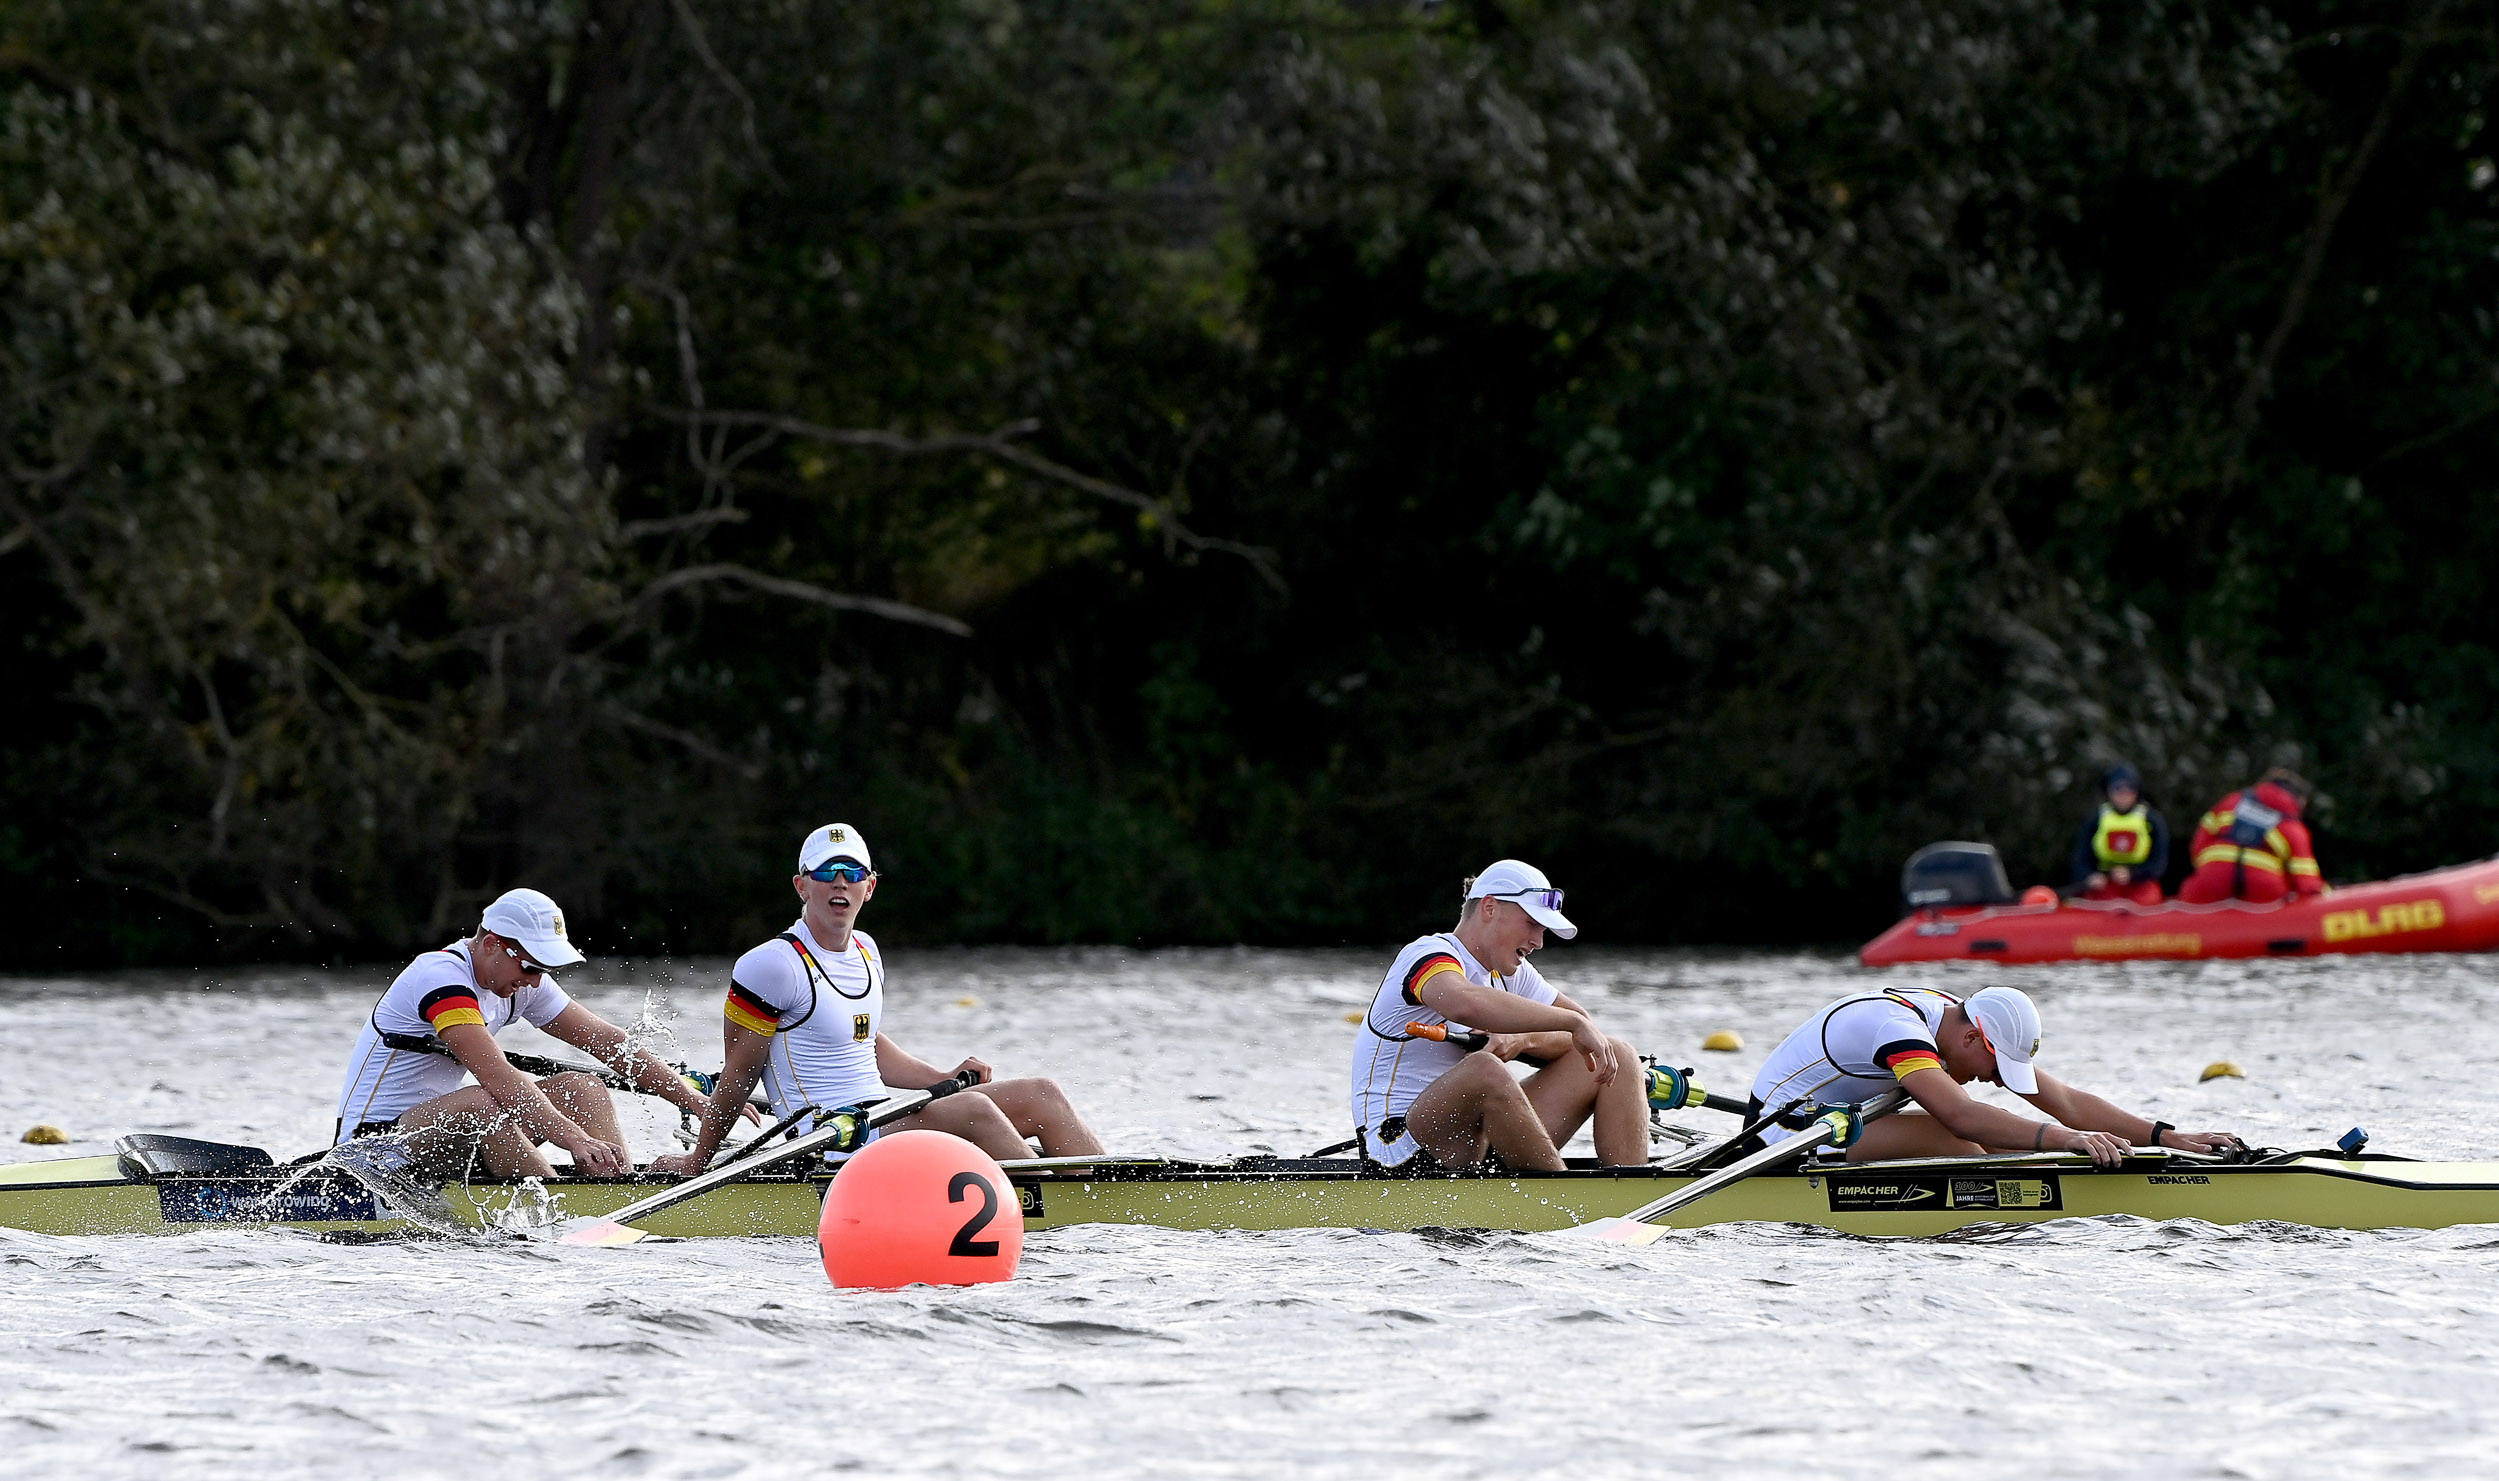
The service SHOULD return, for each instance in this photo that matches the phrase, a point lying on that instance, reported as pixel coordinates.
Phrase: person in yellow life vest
(2123, 849)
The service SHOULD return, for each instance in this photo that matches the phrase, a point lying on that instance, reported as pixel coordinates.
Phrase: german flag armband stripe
(1427, 969)
(1905, 1057)
(750, 1012)
(448, 1007)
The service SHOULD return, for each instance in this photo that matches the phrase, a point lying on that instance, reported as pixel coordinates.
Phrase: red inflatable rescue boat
(2444, 910)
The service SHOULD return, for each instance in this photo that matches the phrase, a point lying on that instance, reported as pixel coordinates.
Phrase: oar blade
(603, 1234)
(1616, 1230)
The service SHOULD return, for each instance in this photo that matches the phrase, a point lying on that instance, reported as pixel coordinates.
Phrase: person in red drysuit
(2252, 846)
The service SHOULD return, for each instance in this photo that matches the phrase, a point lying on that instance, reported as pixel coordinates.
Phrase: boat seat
(146, 1155)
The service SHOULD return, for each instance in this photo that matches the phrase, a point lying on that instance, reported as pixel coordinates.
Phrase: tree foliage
(1213, 471)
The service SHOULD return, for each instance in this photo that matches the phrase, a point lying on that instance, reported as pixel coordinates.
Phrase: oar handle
(1472, 1040)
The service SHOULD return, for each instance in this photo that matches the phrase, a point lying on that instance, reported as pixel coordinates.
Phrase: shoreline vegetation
(1192, 473)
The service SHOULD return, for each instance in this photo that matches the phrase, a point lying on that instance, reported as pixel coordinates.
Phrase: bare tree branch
(638, 529)
(800, 591)
(2330, 208)
(720, 74)
(634, 720)
(1155, 515)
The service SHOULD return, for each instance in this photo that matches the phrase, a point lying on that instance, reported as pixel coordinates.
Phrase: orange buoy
(920, 1208)
(2039, 894)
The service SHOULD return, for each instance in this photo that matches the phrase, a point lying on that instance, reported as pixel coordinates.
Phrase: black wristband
(2160, 1129)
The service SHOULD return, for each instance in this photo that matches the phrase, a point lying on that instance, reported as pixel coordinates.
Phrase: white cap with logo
(531, 919)
(1525, 886)
(833, 841)
(2010, 1023)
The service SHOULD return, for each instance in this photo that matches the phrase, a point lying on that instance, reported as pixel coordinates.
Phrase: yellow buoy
(1725, 1041)
(967, 1002)
(2221, 1069)
(46, 1135)
(1353, 1018)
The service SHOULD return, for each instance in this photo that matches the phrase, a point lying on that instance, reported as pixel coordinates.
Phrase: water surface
(2083, 1348)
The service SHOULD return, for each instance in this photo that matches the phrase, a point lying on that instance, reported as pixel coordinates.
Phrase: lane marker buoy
(920, 1208)
(45, 1135)
(1353, 1018)
(2221, 1069)
(1725, 1041)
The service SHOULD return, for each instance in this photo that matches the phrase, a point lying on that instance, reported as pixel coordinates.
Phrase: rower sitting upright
(440, 1018)
(804, 1013)
(1413, 1094)
(1931, 1044)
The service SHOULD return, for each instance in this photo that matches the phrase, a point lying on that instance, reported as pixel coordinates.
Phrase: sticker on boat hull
(313, 1201)
(1919, 1192)
(1028, 1198)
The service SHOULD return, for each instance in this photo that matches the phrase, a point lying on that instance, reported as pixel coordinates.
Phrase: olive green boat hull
(104, 1195)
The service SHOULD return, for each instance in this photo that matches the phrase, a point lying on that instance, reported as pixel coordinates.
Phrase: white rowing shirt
(821, 1009)
(1854, 1050)
(1391, 1066)
(435, 992)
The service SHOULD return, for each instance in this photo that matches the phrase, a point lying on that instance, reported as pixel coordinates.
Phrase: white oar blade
(1615, 1230)
(603, 1233)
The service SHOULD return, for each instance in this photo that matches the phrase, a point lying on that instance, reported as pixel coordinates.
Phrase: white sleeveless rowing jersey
(1854, 1050)
(434, 992)
(1391, 1066)
(821, 1010)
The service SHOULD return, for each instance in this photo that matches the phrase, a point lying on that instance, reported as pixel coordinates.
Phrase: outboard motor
(1954, 874)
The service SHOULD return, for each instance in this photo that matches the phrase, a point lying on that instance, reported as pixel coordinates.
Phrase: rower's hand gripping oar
(1669, 1089)
(614, 1228)
(1840, 1126)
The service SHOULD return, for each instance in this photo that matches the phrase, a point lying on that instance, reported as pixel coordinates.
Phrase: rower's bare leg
(1475, 1105)
(1910, 1134)
(975, 1118)
(586, 1103)
(1566, 1091)
(1038, 1108)
(442, 1133)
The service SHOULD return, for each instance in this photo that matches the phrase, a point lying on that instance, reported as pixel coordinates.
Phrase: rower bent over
(1415, 1096)
(1931, 1044)
(438, 1019)
(804, 1015)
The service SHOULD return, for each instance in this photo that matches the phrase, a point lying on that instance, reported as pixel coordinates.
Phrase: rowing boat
(167, 1185)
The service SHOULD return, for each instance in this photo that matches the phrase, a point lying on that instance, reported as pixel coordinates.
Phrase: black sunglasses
(848, 871)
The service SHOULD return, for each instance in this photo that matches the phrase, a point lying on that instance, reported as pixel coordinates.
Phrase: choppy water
(2075, 1349)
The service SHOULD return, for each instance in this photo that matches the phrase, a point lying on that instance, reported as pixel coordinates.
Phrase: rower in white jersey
(1418, 1098)
(435, 1026)
(805, 1013)
(1931, 1043)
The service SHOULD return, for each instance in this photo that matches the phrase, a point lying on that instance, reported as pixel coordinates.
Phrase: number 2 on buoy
(964, 1243)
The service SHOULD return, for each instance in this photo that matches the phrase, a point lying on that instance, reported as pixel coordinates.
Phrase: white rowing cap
(833, 841)
(2010, 1021)
(531, 919)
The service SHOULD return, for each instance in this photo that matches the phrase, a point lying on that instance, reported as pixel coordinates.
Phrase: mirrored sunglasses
(1549, 899)
(848, 871)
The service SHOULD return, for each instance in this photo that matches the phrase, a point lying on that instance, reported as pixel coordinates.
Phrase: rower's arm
(1495, 1011)
(641, 1069)
(2085, 1111)
(896, 1065)
(1488, 1008)
(512, 1092)
(1974, 1120)
(743, 1052)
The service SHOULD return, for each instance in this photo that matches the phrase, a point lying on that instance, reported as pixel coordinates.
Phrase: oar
(613, 1230)
(1640, 1226)
(1471, 1040)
